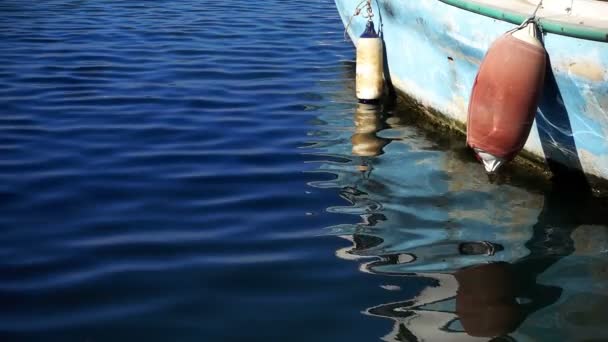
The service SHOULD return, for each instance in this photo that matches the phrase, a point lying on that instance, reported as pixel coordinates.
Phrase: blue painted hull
(433, 52)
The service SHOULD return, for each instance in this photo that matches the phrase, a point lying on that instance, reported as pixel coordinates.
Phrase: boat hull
(434, 51)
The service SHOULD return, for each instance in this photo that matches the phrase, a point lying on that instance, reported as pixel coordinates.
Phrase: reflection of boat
(473, 296)
(434, 49)
(471, 259)
(474, 303)
(471, 305)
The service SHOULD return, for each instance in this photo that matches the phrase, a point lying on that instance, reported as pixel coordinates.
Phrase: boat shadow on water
(510, 260)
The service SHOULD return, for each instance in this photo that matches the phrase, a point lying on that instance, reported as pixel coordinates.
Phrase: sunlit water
(200, 171)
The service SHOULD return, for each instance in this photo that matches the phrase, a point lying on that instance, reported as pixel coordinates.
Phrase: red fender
(504, 99)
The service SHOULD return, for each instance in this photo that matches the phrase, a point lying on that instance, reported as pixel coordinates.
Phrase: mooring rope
(358, 9)
(569, 9)
(532, 18)
(540, 3)
(370, 11)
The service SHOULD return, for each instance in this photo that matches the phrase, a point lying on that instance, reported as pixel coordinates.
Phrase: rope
(531, 18)
(358, 9)
(540, 3)
(370, 12)
(569, 9)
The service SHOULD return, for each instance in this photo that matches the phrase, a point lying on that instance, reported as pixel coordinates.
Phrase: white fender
(369, 78)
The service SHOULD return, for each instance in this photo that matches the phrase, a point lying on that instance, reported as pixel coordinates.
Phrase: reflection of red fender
(485, 301)
(505, 96)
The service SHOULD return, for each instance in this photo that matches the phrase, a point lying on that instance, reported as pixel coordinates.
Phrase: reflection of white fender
(369, 81)
(368, 121)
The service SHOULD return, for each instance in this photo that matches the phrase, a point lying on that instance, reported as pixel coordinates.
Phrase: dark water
(183, 170)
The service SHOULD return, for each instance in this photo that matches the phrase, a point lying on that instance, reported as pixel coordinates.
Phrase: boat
(434, 49)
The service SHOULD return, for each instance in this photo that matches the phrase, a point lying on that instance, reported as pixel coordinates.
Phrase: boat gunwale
(548, 25)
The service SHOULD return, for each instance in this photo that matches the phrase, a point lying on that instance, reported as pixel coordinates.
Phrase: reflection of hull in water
(433, 52)
(473, 304)
(494, 299)
(429, 217)
(574, 285)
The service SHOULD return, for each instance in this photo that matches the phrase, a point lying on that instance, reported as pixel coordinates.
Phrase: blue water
(200, 171)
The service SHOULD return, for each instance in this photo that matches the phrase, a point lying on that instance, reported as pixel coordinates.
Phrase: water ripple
(149, 151)
(168, 167)
(488, 258)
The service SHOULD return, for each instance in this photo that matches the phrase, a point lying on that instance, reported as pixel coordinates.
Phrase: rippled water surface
(200, 171)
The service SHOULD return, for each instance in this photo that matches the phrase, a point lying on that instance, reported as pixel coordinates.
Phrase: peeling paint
(587, 69)
(454, 53)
